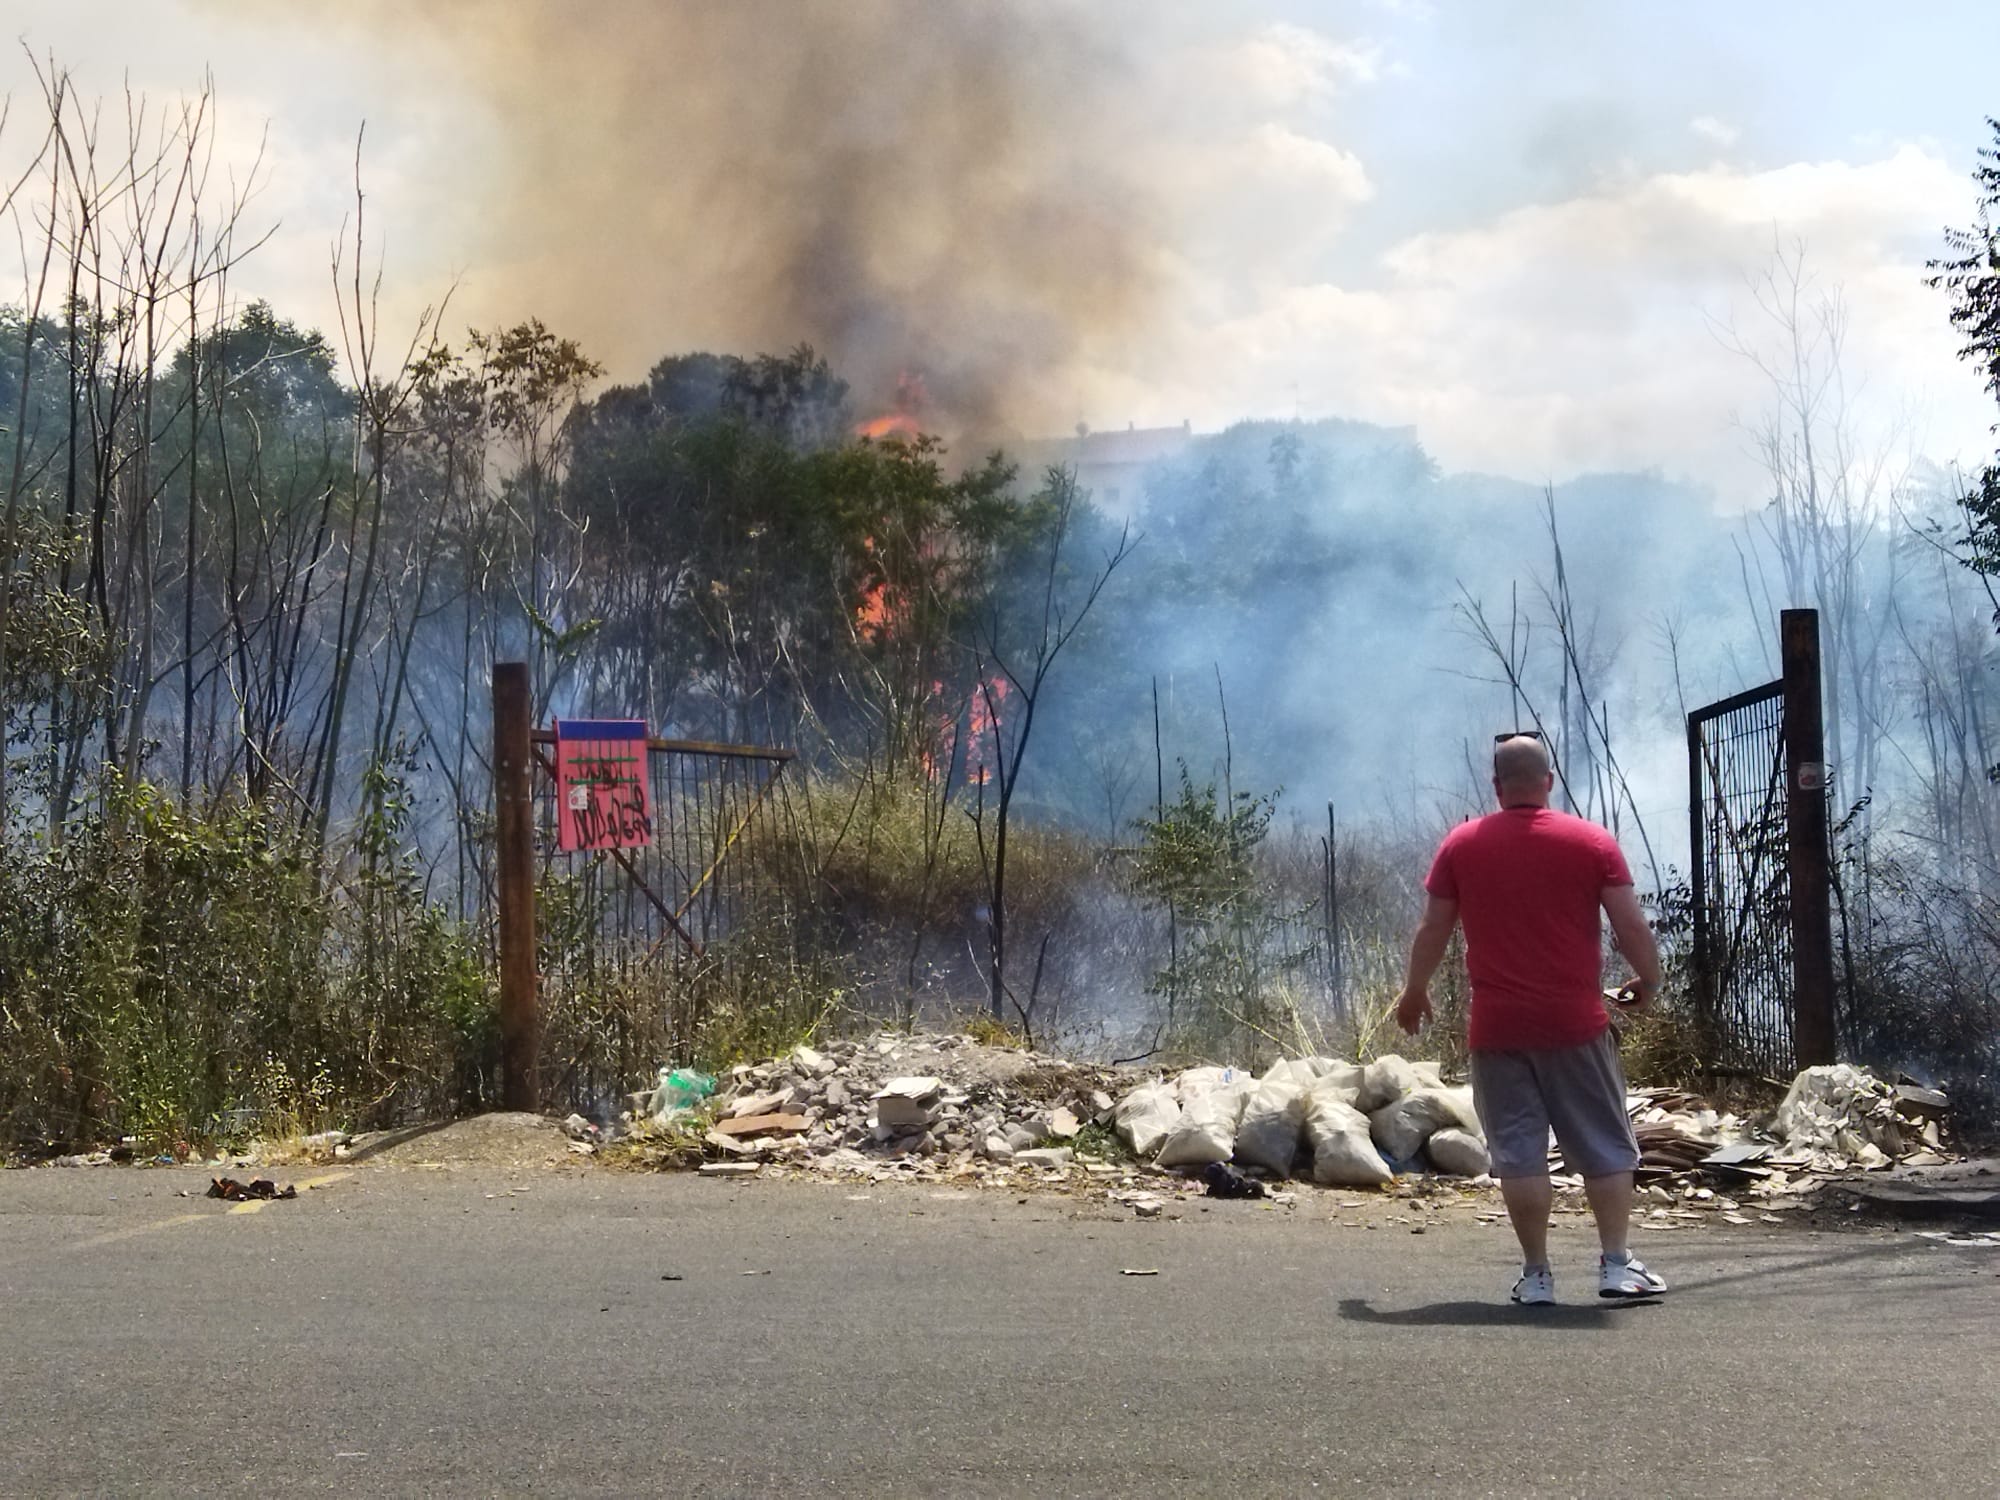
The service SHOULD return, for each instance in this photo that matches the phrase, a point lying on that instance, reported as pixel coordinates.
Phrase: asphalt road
(408, 1332)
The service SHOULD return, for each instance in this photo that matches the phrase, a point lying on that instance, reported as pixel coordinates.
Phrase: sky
(1533, 231)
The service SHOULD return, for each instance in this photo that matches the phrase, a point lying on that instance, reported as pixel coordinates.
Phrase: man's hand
(1413, 1008)
(1635, 995)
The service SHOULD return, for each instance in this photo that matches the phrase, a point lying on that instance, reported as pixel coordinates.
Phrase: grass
(1097, 1142)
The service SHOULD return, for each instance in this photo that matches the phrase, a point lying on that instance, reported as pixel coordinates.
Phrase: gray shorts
(1580, 1091)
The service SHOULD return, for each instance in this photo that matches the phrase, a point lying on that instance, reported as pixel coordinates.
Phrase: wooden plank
(763, 1125)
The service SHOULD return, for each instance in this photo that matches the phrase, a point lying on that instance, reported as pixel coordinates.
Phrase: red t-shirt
(1528, 882)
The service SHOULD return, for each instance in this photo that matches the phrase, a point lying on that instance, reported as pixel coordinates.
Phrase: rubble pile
(949, 1108)
(1837, 1118)
(934, 1105)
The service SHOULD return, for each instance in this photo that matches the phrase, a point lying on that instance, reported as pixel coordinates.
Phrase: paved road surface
(408, 1332)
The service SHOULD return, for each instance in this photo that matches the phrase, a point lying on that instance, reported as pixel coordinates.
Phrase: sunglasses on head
(1517, 734)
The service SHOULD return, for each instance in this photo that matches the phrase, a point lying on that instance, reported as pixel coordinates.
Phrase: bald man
(1529, 883)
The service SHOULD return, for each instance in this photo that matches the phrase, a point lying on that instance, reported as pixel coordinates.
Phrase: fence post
(514, 810)
(1811, 866)
(1704, 975)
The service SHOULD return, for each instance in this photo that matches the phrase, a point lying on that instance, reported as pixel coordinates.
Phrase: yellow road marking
(138, 1229)
(249, 1206)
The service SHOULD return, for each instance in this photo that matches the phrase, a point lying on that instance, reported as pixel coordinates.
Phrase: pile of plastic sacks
(1336, 1123)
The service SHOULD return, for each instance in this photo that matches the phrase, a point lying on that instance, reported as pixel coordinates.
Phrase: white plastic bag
(1341, 1074)
(1298, 1071)
(1207, 1131)
(1458, 1152)
(1273, 1120)
(1401, 1129)
(1340, 1087)
(1146, 1117)
(1465, 1113)
(1343, 1154)
(1384, 1081)
(1198, 1081)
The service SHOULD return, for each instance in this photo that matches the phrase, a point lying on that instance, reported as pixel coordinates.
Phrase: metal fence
(1742, 882)
(636, 945)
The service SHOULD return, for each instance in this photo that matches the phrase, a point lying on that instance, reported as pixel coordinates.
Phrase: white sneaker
(1627, 1278)
(1536, 1288)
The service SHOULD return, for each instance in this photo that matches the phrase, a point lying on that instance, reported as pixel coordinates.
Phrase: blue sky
(1533, 230)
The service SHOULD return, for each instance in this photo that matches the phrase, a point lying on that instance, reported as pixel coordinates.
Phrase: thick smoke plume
(907, 187)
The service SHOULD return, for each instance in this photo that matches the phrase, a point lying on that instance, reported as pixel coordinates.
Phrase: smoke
(923, 188)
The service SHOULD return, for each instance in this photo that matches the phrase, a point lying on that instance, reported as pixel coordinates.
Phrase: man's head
(1522, 773)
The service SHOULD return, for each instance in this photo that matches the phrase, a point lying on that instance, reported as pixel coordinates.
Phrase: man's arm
(1634, 937)
(1413, 1006)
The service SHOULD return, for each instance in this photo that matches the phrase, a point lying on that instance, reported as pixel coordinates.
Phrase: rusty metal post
(514, 816)
(1813, 1034)
(1704, 974)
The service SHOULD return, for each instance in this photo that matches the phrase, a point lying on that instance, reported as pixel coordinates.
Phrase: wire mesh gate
(1762, 876)
(635, 944)
(1742, 880)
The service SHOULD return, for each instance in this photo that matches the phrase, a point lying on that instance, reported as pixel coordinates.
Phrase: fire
(873, 617)
(876, 612)
(903, 419)
(982, 754)
(895, 424)
(981, 723)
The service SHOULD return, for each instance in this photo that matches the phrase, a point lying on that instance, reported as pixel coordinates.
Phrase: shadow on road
(1489, 1314)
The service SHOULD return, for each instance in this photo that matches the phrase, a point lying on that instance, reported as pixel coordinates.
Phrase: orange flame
(900, 421)
(876, 612)
(982, 755)
(894, 424)
(982, 735)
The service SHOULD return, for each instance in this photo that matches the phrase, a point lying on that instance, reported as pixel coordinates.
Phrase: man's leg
(1611, 1205)
(1585, 1087)
(1528, 1201)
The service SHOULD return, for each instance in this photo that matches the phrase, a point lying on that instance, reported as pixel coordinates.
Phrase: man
(1528, 883)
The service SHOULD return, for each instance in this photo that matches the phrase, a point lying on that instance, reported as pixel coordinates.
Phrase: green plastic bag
(679, 1089)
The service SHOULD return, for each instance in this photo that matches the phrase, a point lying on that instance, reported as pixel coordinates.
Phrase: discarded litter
(678, 1089)
(1224, 1181)
(1963, 1241)
(262, 1189)
(1130, 1271)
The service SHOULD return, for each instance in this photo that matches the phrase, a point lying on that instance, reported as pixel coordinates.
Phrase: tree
(1969, 272)
(1015, 672)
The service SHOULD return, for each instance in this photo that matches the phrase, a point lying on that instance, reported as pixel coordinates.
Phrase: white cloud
(1591, 333)
(1716, 132)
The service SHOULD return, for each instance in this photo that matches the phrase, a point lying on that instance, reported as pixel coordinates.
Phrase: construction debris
(952, 1110)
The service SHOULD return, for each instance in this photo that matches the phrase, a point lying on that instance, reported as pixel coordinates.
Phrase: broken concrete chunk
(757, 1104)
(1063, 1124)
(911, 1087)
(1047, 1156)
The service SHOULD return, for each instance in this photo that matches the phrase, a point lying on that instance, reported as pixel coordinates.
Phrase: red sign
(603, 796)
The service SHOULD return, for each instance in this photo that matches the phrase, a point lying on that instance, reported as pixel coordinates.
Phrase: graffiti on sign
(603, 798)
